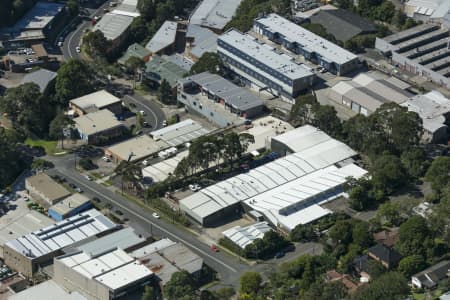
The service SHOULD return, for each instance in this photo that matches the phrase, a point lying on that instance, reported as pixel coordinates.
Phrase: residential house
(387, 256)
(387, 237)
(431, 276)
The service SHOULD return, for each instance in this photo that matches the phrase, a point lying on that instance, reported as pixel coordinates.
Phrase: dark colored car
(279, 254)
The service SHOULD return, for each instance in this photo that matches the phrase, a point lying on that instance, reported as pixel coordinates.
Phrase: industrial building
(134, 149)
(218, 100)
(343, 24)
(263, 68)
(95, 101)
(244, 236)
(44, 189)
(27, 253)
(179, 133)
(160, 68)
(436, 11)
(166, 257)
(214, 14)
(162, 170)
(111, 274)
(423, 50)
(69, 207)
(41, 77)
(300, 41)
(287, 191)
(48, 290)
(114, 25)
(434, 110)
(199, 41)
(33, 27)
(98, 127)
(163, 41)
(367, 92)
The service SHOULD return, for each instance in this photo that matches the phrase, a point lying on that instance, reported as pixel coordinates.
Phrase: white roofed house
(288, 191)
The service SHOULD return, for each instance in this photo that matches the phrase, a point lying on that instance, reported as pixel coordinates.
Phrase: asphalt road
(153, 113)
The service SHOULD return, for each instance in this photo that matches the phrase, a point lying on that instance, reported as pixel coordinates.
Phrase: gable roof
(41, 77)
(432, 275)
(385, 254)
(135, 50)
(160, 69)
(343, 24)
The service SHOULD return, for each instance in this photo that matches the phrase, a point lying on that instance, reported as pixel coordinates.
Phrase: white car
(60, 44)
(194, 187)
(164, 123)
(88, 177)
(78, 49)
(155, 215)
(142, 112)
(145, 162)
(105, 158)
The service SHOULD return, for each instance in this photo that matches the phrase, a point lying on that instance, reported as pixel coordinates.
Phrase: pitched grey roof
(343, 24)
(41, 77)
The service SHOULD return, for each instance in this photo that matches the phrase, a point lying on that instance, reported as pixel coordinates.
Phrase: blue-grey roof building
(41, 77)
(261, 67)
(200, 40)
(303, 42)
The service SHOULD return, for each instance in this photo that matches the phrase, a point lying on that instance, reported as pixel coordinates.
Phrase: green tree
(149, 293)
(360, 193)
(134, 64)
(391, 285)
(208, 62)
(439, 173)
(361, 235)
(303, 233)
(389, 212)
(57, 125)
(246, 139)
(412, 236)
(250, 283)
(86, 163)
(341, 232)
(247, 11)
(326, 119)
(74, 80)
(73, 7)
(129, 172)
(302, 111)
(326, 291)
(412, 264)
(12, 162)
(387, 173)
(232, 148)
(415, 161)
(96, 44)
(225, 293)
(180, 285)
(165, 94)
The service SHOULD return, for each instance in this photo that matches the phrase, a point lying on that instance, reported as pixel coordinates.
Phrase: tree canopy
(208, 62)
(11, 162)
(391, 285)
(180, 285)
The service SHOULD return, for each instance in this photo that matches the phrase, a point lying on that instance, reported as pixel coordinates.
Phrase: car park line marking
(156, 225)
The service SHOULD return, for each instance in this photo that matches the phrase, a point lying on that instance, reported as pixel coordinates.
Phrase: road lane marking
(154, 224)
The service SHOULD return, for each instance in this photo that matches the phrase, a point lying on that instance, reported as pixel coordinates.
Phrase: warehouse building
(48, 290)
(303, 42)
(33, 27)
(423, 50)
(27, 253)
(44, 189)
(287, 191)
(163, 41)
(218, 100)
(112, 274)
(114, 25)
(430, 10)
(434, 110)
(69, 207)
(244, 236)
(166, 257)
(261, 67)
(179, 133)
(214, 14)
(135, 149)
(162, 170)
(199, 41)
(98, 127)
(41, 77)
(367, 92)
(95, 101)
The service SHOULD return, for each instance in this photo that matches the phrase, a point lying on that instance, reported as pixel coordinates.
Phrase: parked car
(95, 199)
(194, 187)
(105, 158)
(145, 162)
(119, 212)
(279, 254)
(214, 248)
(73, 186)
(78, 190)
(78, 49)
(88, 177)
(142, 113)
(155, 215)
(164, 123)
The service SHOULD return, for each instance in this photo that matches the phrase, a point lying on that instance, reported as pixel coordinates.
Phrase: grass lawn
(49, 146)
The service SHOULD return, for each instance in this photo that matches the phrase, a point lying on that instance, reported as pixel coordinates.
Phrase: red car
(214, 248)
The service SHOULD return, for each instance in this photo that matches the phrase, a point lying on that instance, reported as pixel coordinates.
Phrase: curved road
(153, 113)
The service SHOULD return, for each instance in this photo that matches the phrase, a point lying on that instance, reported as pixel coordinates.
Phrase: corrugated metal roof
(163, 38)
(244, 236)
(214, 13)
(180, 133)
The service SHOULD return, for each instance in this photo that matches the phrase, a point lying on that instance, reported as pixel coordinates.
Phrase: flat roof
(38, 17)
(122, 239)
(19, 222)
(152, 248)
(41, 77)
(264, 129)
(163, 68)
(62, 234)
(97, 121)
(113, 25)
(409, 33)
(47, 186)
(99, 100)
(235, 96)
(244, 236)
(114, 269)
(141, 147)
(180, 133)
(308, 140)
(161, 170)
(431, 107)
(164, 37)
(316, 152)
(214, 13)
(265, 54)
(306, 38)
(70, 203)
(204, 40)
(48, 290)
